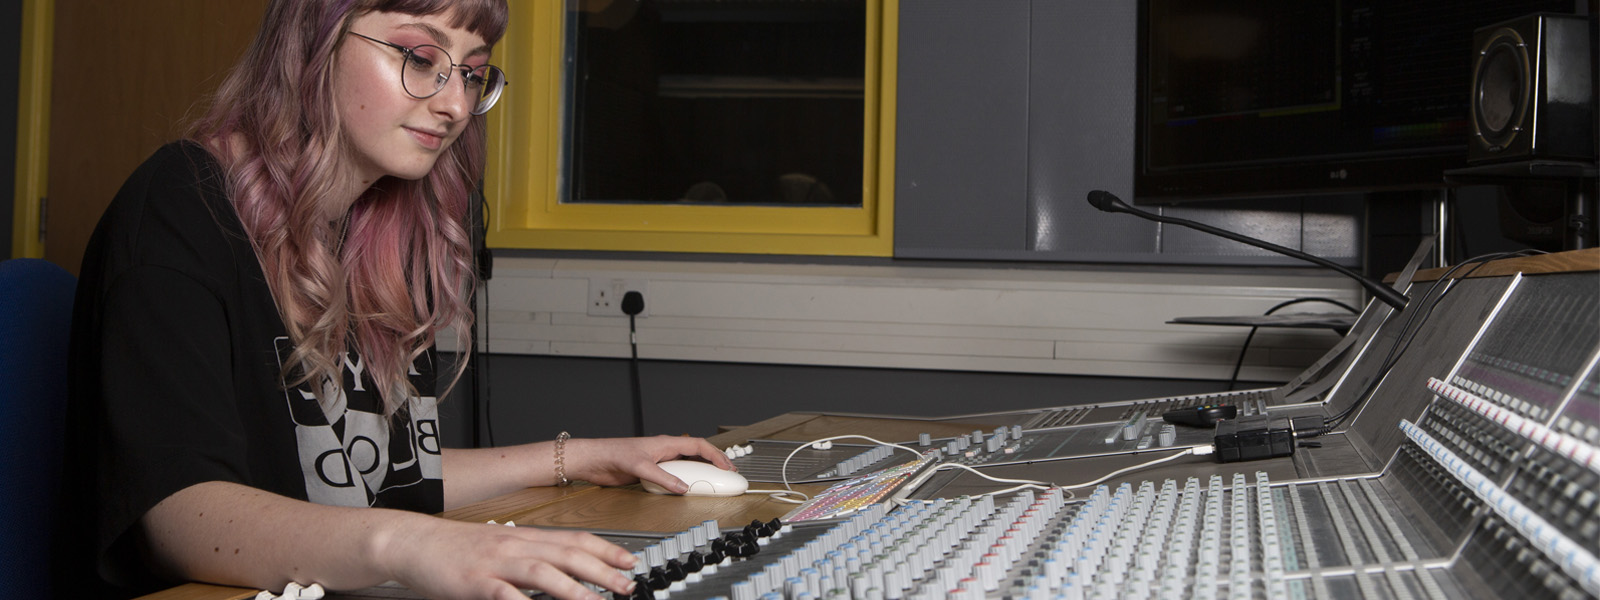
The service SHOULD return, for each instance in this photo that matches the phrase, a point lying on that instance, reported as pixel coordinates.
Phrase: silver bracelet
(561, 463)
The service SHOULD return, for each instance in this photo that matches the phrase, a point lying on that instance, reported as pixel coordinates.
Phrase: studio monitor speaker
(1533, 90)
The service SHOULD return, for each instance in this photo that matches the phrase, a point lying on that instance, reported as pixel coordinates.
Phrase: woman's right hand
(439, 558)
(230, 534)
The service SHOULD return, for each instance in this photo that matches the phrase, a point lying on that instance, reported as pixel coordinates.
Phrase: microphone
(1108, 202)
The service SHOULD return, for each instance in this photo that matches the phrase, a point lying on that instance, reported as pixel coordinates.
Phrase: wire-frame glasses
(427, 68)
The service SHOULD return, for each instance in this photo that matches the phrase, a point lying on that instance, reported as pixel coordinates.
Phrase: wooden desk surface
(1559, 262)
(630, 508)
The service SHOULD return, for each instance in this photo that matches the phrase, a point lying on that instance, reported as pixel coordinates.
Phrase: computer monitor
(1251, 98)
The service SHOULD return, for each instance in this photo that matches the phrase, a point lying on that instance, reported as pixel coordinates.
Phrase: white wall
(1064, 320)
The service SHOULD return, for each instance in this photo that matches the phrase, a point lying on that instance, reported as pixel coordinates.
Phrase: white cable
(783, 471)
(1023, 483)
(1195, 450)
(1026, 484)
(779, 495)
(948, 466)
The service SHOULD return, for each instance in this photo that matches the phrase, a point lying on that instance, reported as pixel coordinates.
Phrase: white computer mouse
(704, 479)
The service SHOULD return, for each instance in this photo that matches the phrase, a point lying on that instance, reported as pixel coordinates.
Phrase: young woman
(252, 352)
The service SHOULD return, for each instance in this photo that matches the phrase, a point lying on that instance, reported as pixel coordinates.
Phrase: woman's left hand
(619, 461)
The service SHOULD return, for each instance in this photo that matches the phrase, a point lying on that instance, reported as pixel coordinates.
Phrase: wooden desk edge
(202, 591)
(1559, 262)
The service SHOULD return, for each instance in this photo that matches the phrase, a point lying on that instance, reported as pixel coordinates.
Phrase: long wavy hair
(399, 268)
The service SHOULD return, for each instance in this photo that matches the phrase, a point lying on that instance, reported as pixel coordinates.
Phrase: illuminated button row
(851, 495)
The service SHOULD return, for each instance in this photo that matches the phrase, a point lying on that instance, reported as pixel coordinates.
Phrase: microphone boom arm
(1108, 202)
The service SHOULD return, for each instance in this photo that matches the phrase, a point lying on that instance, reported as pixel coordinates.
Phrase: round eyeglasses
(426, 68)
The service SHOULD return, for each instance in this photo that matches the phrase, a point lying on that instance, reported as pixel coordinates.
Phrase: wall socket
(605, 295)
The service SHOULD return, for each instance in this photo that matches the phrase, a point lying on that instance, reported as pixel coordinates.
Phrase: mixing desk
(1475, 474)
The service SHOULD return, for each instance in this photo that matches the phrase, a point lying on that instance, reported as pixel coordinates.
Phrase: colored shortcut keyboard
(860, 492)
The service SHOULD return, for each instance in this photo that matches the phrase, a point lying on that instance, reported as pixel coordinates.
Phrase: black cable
(488, 393)
(1458, 235)
(1234, 379)
(632, 305)
(484, 263)
(1403, 342)
(475, 362)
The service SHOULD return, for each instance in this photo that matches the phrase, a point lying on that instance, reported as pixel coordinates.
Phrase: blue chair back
(35, 324)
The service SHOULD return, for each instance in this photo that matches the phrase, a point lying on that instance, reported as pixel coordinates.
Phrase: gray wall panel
(1275, 227)
(962, 125)
(1044, 91)
(1329, 227)
(1082, 114)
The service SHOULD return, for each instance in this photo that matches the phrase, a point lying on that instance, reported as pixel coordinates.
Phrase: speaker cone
(1500, 89)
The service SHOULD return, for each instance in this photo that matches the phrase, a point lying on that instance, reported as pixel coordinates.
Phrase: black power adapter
(1253, 438)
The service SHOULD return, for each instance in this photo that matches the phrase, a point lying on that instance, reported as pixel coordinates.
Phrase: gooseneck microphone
(1108, 202)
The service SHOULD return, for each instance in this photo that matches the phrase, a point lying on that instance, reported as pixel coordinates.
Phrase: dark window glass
(715, 101)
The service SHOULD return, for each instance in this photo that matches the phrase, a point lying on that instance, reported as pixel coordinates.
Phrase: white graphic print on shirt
(350, 455)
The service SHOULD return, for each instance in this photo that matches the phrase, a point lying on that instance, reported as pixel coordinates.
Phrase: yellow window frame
(33, 129)
(524, 167)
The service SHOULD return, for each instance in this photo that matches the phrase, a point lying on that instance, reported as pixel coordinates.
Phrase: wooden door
(125, 77)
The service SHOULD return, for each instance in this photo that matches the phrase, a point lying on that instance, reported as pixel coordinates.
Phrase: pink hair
(400, 269)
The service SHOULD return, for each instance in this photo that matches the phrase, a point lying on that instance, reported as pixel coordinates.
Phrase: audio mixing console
(1462, 459)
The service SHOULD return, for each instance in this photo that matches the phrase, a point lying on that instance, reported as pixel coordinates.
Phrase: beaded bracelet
(561, 464)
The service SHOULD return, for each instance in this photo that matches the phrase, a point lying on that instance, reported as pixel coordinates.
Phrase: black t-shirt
(176, 364)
